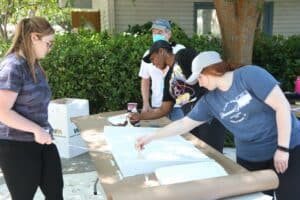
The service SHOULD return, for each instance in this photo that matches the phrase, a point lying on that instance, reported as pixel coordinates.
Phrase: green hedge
(280, 56)
(96, 66)
(3, 47)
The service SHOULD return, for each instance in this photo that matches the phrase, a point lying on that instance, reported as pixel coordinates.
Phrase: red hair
(219, 69)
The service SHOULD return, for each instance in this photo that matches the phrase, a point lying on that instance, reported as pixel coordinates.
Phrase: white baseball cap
(201, 61)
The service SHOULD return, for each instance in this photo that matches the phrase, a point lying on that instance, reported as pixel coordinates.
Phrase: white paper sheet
(164, 152)
(118, 119)
(255, 196)
(189, 172)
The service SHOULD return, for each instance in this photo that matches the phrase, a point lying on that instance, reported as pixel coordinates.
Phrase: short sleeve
(144, 68)
(200, 111)
(259, 81)
(177, 48)
(11, 76)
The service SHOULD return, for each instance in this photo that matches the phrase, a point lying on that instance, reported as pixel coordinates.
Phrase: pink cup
(297, 85)
(132, 107)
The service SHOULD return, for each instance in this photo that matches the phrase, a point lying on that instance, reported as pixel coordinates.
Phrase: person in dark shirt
(178, 92)
(28, 157)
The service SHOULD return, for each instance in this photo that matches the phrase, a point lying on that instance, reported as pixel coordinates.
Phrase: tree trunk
(1, 33)
(5, 14)
(3, 30)
(238, 20)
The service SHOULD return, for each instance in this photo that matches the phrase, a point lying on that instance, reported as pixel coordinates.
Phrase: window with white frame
(206, 21)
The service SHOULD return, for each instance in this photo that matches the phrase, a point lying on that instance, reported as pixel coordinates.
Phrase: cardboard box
(66, 134)
(70, 147)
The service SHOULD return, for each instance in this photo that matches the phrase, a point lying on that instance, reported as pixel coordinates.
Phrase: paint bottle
(132, 107)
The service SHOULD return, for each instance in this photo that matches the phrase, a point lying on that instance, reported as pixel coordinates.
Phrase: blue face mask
(157, 37)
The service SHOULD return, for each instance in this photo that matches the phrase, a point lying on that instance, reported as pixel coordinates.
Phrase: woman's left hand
(281, 161)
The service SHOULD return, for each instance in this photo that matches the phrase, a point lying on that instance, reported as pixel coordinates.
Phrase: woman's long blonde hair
(22, 44)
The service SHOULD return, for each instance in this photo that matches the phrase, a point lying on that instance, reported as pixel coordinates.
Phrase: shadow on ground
(78, 164)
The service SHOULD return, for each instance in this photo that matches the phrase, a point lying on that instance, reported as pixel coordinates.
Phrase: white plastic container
(66, 134)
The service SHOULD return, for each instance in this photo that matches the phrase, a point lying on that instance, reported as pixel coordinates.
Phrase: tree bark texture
(238, 21)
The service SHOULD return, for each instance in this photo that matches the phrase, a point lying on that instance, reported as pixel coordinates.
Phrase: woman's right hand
(42, 137)
(142, 141)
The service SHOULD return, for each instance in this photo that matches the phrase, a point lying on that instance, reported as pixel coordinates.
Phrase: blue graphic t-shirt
(242, 111)
(32, 100)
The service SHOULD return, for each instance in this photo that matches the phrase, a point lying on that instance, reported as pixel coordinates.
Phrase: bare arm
(178, 127)
(145, 90)
(279, 103)
(14, 120)
(281, 106)
(162, 111)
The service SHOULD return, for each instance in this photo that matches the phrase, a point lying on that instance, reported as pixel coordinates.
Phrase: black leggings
(212, 133)
(27, 165)
(289, 181)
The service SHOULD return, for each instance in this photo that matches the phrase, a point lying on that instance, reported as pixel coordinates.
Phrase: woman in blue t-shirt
(250, 104)
(28, 158)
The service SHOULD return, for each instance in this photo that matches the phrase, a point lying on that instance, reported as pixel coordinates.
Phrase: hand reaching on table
(142, 141)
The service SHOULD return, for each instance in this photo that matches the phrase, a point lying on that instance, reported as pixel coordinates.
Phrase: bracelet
(284, 149)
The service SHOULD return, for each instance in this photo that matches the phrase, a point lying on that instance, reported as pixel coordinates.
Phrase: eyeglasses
(48, 43)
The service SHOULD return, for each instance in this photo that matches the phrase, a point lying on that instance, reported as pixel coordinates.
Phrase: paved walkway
(79, 177)
(76, 187)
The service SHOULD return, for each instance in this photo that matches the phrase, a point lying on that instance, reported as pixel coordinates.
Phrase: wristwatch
(282, 148)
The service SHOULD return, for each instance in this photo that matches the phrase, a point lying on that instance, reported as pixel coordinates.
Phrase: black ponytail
(184, 59)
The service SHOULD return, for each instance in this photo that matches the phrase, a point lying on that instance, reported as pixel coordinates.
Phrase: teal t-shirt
(242, 111)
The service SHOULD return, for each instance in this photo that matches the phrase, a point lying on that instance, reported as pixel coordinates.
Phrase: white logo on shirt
(233, 107)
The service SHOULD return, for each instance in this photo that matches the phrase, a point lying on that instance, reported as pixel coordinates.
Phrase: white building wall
(142, 11)
(286, 17)
(106, 13)
(116, 15)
